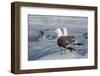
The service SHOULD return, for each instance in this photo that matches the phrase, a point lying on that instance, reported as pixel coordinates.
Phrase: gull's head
(58, 32)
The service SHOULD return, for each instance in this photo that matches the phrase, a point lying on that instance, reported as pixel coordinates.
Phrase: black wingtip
(70, 48)
(79, 44)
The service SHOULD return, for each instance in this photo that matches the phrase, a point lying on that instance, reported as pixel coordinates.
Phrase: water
(42, 43)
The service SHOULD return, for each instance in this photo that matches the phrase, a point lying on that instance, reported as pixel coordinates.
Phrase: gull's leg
(61, 51)
(65, 50)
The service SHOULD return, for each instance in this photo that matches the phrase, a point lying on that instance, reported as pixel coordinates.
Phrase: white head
(65, 32)
(60, 33)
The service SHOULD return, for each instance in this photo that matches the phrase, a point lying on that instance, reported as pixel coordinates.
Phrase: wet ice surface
(42, 43)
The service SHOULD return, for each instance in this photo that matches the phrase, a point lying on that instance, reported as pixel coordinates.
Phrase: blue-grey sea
(42, 40)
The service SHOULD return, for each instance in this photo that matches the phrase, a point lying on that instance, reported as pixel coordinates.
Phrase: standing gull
(64, 40)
